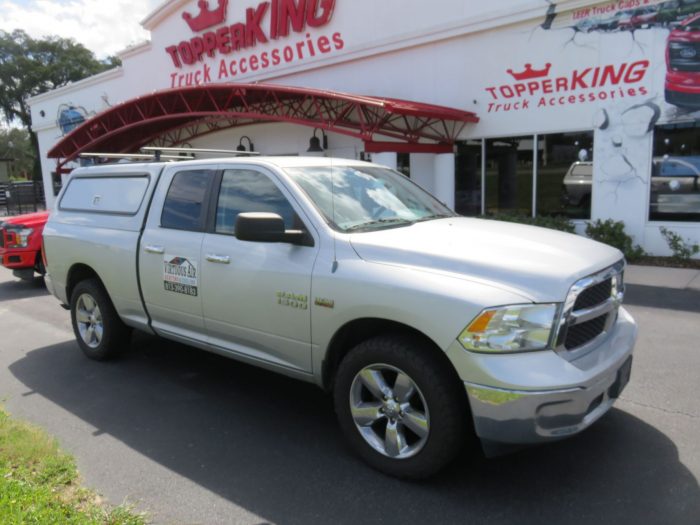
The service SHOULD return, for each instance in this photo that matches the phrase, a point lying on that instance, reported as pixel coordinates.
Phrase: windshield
(365, 198)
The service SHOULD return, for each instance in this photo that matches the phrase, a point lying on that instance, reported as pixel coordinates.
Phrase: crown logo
(206, 17)
(529, 73)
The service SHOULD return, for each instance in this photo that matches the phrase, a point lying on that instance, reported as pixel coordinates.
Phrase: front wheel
(39, 265)
(100, 332)
(400, 406)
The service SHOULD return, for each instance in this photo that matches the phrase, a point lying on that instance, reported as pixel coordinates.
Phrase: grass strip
(39, 483)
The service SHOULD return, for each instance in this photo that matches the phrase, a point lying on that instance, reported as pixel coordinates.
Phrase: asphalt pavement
(190, 437)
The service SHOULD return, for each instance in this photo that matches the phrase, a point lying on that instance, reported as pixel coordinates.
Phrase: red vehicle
(645, 16)
(683, 64)
(20, 244)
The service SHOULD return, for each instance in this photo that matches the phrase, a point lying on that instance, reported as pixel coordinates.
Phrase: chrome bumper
(541, 396)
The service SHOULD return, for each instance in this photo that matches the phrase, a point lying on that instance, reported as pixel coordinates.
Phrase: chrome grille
(596, 294)
(590, 309)
(684, 56)
(580, 334)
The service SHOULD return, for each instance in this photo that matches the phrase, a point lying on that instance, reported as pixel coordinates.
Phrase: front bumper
(682, 88)
(16, 259)
(541, 396)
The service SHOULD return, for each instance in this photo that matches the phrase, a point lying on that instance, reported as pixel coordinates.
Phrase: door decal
(180, 275)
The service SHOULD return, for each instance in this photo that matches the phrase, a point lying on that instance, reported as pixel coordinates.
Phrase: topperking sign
(538, 87)
(267, 23)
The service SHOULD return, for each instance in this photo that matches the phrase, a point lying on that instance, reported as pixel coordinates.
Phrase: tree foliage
(15, 144)
(31, 66)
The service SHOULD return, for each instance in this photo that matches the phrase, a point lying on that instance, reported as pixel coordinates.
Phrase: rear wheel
(400, 406)
(100, 332)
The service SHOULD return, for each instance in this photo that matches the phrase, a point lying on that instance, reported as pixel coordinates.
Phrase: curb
(676, 278)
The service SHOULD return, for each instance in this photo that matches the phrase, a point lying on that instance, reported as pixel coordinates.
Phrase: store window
(565, 174)
(509, 164)
(468, 178)
(675, 191)
(403, 164)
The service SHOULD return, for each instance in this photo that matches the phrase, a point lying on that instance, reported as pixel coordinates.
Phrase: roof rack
(134, 156)
(158, 151)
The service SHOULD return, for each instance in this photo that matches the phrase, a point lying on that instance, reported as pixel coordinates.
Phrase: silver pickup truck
(427, 327)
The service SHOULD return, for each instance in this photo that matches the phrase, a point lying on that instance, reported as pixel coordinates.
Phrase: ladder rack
(134, 156)
(158, 151)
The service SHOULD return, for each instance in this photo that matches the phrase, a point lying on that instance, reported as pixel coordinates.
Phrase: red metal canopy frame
(175, 116)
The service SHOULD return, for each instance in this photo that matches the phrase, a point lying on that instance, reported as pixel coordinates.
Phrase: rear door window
(185, 203)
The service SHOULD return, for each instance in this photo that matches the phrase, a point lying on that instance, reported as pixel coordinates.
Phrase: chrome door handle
(152, 248)
(219, 259)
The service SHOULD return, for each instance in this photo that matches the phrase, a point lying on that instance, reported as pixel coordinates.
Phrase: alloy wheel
(389, 411)
(89, 320)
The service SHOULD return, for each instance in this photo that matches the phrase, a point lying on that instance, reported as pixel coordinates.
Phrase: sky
(103, 26)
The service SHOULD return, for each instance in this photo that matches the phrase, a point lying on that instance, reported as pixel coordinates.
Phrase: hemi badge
(325, 303)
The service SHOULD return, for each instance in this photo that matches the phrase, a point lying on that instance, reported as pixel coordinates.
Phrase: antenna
(334, 267)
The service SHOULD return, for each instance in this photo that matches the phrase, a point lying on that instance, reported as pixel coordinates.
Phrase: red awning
(175, 116)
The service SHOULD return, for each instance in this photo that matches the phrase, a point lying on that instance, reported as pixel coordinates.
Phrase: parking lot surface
(191, 437)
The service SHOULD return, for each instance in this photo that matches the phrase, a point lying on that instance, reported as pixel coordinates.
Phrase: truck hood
(537, 263)
(30, 220)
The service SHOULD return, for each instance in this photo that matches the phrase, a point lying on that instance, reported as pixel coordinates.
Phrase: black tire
(114, 335)
(39, 265)
(438, 386)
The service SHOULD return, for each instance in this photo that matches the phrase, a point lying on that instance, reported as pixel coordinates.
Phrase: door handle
(152, 248)
(219, 259)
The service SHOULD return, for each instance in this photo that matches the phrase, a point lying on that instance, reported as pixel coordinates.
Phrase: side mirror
(268, 227)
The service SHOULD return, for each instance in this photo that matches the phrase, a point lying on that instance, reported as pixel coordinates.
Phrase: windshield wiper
(435, 216)
(393, 221)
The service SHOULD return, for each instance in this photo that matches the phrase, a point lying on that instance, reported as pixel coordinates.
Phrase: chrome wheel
(389, 411)
(89, 320)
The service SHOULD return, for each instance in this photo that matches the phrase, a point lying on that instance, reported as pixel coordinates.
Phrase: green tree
(15, 144)
(31, 66)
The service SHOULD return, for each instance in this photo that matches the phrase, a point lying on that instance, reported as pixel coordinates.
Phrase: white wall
(452, 53)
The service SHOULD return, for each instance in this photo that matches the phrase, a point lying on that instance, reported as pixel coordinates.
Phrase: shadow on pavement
(271, 445)
(19, 289)
(657, 297)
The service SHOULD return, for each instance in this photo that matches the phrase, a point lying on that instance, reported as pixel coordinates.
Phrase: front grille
(583, 333)
(2, 238)
(594, 295)
(590, 308)
(684, 56)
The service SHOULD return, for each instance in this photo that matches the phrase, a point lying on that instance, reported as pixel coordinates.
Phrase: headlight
(21, 237)
(514, 328)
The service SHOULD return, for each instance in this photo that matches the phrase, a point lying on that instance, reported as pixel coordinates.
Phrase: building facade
(586, 109)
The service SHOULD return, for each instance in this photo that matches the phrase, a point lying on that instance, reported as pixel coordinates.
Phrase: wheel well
(78, 273)
(354, 332)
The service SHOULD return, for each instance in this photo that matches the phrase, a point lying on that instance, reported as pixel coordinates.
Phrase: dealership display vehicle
(682, 86)
(675, 187)
(20, 244)
(427, 327)
(577, 184)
